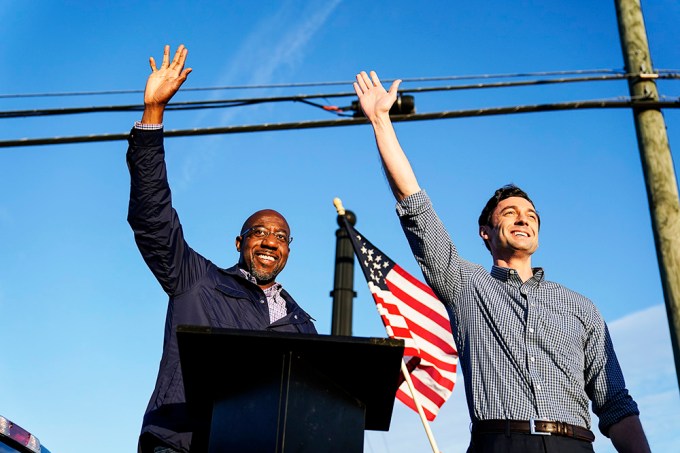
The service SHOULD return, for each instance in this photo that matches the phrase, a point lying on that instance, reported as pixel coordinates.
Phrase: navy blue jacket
(200, 292)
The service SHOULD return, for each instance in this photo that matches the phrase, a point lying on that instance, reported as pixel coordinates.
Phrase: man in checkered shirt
(533, 353)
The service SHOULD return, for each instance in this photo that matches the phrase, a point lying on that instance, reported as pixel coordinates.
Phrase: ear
(484, 232)
(238, 243)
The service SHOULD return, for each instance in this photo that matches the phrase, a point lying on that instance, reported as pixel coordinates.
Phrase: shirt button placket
(531, 342)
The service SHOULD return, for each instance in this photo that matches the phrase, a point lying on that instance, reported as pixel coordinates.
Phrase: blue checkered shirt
(527, 349)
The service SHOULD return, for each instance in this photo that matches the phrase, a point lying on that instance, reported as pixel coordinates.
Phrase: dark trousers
(526, 443)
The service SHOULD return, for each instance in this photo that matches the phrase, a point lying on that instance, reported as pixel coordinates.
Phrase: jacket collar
(291, 306)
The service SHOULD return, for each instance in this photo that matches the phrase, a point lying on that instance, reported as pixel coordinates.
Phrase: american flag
(411, 312)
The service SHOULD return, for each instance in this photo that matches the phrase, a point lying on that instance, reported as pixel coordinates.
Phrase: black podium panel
(267, 391)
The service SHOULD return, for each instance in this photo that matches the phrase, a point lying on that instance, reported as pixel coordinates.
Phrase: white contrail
(276, 44)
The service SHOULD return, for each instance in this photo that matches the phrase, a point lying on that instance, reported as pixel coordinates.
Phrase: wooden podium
(257, 391)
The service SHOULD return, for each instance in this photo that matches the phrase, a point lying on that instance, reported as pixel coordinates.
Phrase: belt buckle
(532, 426)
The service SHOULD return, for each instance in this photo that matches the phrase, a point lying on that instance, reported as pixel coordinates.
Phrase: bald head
(256, 219)
(264, 245)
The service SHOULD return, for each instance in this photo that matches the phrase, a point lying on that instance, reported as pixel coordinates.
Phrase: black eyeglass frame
(265, 234)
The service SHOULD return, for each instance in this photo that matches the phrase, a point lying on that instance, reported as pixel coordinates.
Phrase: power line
(318, 84)
(226, 103)
(579, 105)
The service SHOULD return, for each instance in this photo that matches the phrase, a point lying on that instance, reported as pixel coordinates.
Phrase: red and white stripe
(411, 311)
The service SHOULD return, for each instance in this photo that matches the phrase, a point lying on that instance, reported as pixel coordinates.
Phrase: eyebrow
(516, 208)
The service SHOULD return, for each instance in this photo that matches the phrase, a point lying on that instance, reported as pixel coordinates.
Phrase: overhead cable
(225, 103)
(578, 105)
(315, 84)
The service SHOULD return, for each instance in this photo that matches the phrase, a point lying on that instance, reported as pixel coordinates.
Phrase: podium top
(216, 361)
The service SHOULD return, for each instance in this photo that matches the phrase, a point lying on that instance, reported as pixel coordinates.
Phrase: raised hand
(376, 104)
(374, 100)
(163, 83)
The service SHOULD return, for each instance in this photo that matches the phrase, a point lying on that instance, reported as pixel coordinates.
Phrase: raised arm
(156, 225)
(376, 103)
(163, 83)
(430, 243)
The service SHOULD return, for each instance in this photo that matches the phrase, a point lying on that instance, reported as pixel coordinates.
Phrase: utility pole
(657, 163)
(343, 287)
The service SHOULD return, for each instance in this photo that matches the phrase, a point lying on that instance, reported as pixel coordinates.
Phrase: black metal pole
(343, 287)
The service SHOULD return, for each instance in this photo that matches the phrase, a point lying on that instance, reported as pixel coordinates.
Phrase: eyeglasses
(261, 233)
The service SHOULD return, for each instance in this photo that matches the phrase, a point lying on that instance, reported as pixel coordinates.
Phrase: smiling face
(512, 230)
(264, 256)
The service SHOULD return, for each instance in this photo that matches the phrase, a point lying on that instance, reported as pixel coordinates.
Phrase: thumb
(394, 87)
(184, 74)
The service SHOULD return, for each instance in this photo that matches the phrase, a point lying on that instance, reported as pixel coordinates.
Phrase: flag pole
(407, 376)
(423, 419)
(338, 206)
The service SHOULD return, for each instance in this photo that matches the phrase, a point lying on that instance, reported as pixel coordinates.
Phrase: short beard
(264, 277)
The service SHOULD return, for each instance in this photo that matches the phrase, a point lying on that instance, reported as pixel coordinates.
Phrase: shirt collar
(504, 274)
(271, 291)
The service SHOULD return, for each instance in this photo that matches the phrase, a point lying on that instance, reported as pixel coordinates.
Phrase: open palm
(163, 83)
(373, 97)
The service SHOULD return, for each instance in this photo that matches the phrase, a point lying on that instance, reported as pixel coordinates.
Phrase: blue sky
(82, 317)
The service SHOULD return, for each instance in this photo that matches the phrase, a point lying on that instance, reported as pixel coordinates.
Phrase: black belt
(533, 426)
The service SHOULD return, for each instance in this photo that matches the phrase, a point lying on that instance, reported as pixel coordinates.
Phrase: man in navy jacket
(245, 296)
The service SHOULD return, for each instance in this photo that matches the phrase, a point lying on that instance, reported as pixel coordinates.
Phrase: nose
(522, 219)
(270, 241)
